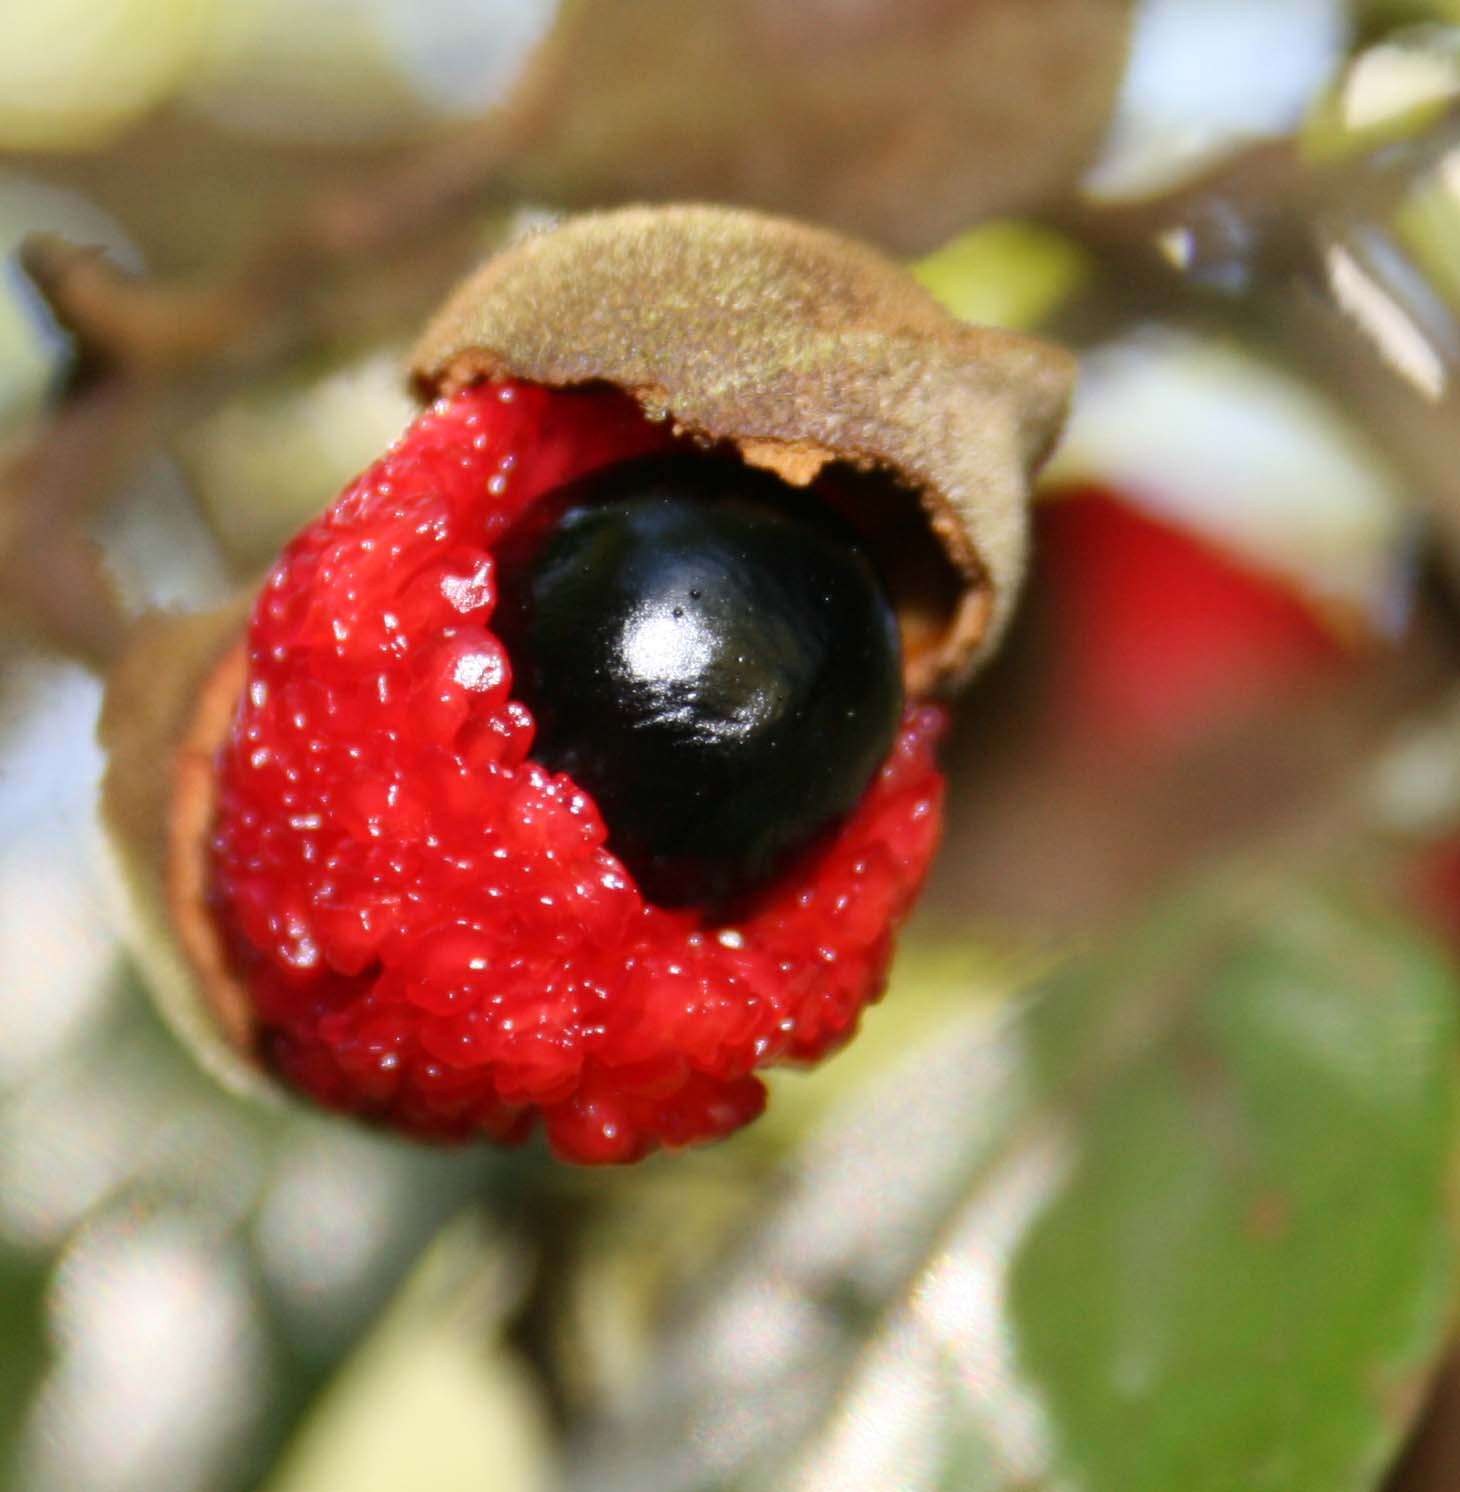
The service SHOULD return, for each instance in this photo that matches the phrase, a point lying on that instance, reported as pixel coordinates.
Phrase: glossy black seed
(711, 655)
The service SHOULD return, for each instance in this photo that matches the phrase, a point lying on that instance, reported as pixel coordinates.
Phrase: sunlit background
(1257, 251)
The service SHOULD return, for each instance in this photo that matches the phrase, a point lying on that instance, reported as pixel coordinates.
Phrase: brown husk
(899, 120)
(802, 349)
(169, 701)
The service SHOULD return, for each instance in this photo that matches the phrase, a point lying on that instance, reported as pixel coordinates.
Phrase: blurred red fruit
(1155, 636)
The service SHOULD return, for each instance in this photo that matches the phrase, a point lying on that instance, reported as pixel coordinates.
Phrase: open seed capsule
(579, 760)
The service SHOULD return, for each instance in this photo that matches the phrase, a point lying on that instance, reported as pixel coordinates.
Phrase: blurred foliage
(1390, 91)
(74, 73)
(183, 1267)
(1099, 1241)
(1232, 445)
(1005, 273)
(1206, 81)
(262, 463)
(1314, 1079)
(432, 1398)
(1428, 225)
(1378, 17)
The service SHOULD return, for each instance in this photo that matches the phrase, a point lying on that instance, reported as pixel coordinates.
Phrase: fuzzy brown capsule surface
(802, 349)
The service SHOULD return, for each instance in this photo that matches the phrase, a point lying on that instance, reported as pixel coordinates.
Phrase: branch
(150, 352)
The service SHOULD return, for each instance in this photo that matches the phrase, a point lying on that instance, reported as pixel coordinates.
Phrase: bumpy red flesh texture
(432, 928)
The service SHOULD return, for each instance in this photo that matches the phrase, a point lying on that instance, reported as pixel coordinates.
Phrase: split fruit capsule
(579, 761)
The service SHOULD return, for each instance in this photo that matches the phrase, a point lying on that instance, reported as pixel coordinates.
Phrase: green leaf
(1179, 1222)
(432, 1399)
(1251, 1244)
(27, 1351)
(1005, 273)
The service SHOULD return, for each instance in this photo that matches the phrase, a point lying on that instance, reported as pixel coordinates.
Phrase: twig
(150, 352)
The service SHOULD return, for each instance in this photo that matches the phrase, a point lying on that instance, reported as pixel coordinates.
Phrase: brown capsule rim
(801, 348)
(191, 811)
(168, 707)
